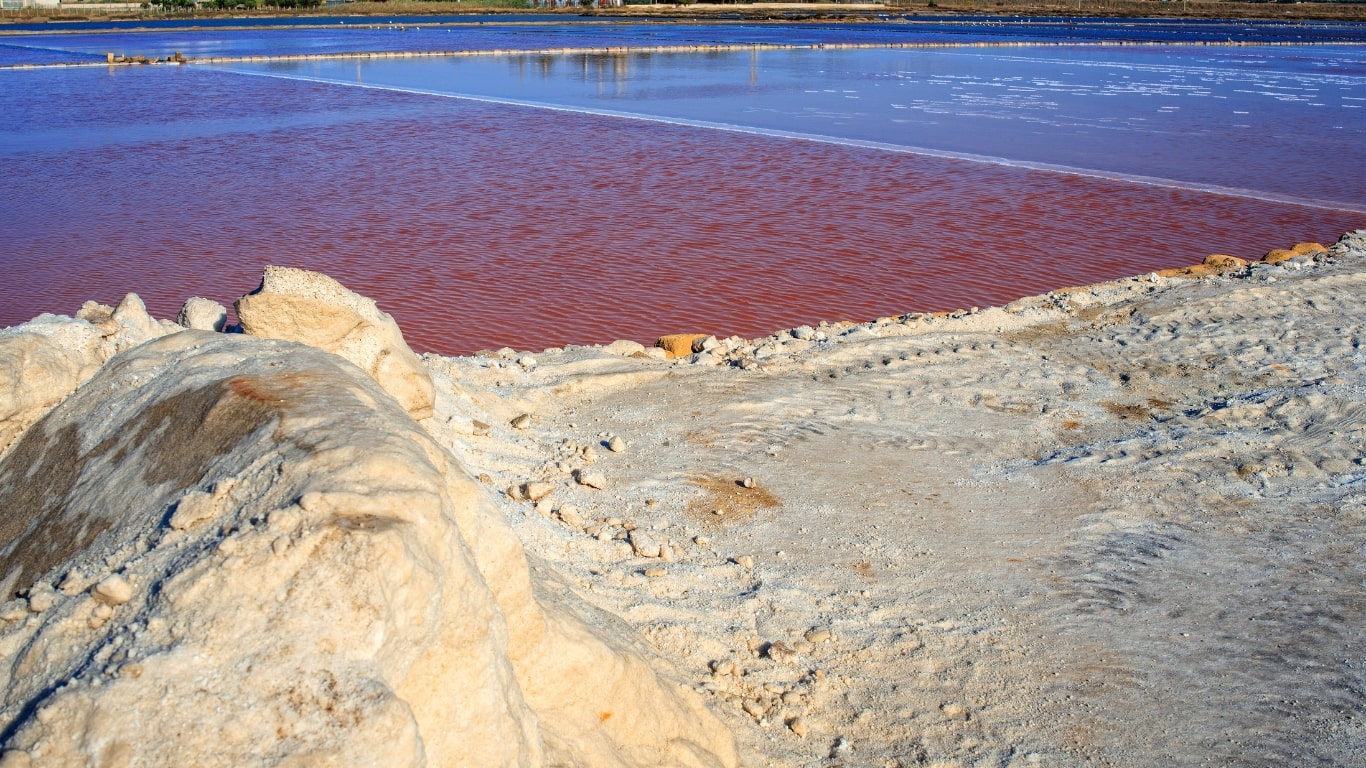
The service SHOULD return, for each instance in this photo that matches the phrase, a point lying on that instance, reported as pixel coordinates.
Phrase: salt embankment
(1116, 524)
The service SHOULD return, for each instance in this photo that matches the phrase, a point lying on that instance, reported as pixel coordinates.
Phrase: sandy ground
(1118, 525)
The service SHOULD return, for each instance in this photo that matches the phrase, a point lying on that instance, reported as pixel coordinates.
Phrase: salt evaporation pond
(540, 199)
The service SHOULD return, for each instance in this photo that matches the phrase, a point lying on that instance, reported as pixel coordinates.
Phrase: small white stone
(14, 610)
(643, 544)
(72, 584)
(818, 635)
(41, 598)
(521, 422)
(526, 361)
(537, 491)
(624, 347)
(798, 727)
(781, 652)
(748, 482)
(745, 561)
(616, 445)
(114, 590)
(192, 509)
(569, 515)
(592, 480)
(202, 314)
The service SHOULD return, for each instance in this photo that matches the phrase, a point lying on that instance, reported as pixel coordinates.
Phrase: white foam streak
(1151, 181)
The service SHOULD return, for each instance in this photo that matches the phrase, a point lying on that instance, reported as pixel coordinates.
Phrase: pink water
(479, 226)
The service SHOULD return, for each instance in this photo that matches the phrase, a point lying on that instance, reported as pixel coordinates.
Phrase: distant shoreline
(862, 13)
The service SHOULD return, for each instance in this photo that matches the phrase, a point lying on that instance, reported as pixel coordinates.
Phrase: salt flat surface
(1119, 525)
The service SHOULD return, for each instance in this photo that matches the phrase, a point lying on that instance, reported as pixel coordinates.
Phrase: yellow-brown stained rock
(1224, 263)
(1300, 249)
(1214, 264)
(679, 344)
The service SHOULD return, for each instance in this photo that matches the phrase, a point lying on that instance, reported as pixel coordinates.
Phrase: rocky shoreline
(1036, 534)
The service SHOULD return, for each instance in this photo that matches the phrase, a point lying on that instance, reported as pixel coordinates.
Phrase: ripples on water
(481, 225)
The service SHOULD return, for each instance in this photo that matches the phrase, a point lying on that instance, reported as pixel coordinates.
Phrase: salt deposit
(285, 567)
(1113, 524)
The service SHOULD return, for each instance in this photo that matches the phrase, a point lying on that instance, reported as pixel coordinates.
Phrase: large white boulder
(312, 308)
(228, 551)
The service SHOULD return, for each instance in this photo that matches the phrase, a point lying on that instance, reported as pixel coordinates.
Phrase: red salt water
(479, 226)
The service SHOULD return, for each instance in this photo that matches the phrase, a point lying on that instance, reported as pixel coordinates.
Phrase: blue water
(347, 35)
(1263, 123)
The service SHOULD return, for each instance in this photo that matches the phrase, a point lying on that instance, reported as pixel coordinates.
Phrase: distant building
(15, 5)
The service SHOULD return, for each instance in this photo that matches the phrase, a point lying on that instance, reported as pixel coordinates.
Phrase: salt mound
(44, 360)
(236, 551)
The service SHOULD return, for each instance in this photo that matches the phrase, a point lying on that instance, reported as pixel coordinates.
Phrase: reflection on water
(1183, 117)
(234, 37)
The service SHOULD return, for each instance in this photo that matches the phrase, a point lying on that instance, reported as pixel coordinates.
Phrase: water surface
(507, 200)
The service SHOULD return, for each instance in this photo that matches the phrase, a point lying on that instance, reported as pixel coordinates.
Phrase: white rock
(113, 590)
(625, 348)
(312, 308)
(818, 635)
(569, 515)
(191, 510)
(643, 544)
(616, 445)
(592, 479)
(203, 314)
(537, 491)
(41, 598)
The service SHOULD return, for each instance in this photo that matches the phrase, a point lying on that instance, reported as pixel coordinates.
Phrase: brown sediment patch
(862, 568)
(1127, 411)
(730, 498)
(175, 440)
